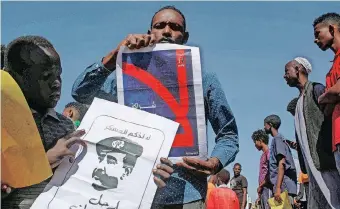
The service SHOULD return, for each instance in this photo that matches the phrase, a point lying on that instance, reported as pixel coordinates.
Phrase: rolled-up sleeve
(95, 81)
(221, 119)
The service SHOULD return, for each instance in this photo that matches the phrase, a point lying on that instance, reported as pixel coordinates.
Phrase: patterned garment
(324, 187)
(52, 126)
(182, 187)
(192, 205)
(265, 195)
(264, 165)
(223, 198)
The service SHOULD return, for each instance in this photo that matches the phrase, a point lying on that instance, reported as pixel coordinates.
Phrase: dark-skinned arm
(244, 200)
(331, 95)
(244, 190)
(281, 170)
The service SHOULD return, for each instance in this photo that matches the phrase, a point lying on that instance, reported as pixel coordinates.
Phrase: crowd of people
(35, 65)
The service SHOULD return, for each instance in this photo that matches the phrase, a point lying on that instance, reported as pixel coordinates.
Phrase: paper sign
(23, 158)
(166, 80)
(285, 204)
(114, 171)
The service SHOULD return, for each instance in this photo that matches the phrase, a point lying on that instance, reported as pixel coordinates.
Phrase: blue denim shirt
(182, 187)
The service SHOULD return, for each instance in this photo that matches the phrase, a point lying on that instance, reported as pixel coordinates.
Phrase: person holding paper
(282, 171)
(35, 65)
(168, 25)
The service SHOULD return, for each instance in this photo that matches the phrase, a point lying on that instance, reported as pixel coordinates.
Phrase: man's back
(223, 198)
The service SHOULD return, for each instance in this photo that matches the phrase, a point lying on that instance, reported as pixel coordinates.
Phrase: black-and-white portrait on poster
(117, 157)
(115, 169)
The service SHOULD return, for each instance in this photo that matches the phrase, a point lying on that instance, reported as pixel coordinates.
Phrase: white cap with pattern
(305, 63)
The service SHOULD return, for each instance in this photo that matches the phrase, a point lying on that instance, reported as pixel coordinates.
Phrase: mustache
(106, 180)
(167, 40)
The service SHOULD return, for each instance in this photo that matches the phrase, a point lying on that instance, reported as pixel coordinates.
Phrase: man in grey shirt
(239, 185)
(282, 169)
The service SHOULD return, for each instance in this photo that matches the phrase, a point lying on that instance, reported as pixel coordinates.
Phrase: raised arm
(95, 81)
(221, 119)
(99, 79)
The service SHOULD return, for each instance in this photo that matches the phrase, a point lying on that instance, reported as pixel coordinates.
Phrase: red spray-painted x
(181, 109)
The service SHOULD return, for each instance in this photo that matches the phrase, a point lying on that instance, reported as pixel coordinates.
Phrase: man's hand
(259, 190)
(132, 41)
(297, 204)
(62, 148)
(277, 196)
(321, 99)
(163, 172)
(257, 202)
(327, 98)
(213, 179)
(201, 167)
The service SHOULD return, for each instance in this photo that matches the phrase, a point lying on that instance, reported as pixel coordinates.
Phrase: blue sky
(246, 43)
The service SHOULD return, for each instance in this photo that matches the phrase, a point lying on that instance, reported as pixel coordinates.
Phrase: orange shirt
(331, 78)
(211, 186)
(303, 178)
(222, 198)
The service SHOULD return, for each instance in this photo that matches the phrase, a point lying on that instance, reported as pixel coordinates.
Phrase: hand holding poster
(166, 80)
(115, 169)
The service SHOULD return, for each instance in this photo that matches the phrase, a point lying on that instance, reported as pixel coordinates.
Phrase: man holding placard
(35, 66)
(182, 185)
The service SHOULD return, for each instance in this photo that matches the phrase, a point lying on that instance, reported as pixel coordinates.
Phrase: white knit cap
(305, 63)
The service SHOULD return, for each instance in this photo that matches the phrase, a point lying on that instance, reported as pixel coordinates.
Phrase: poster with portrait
(114, 170)
(166, 80)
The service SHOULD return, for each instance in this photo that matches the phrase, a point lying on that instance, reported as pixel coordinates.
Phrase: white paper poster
(114, 171)
(167, 80)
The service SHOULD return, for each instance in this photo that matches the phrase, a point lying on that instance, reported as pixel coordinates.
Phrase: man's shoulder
(278, 138)
(66, 122)
(209, 77)
(243, 177)
(317, 85)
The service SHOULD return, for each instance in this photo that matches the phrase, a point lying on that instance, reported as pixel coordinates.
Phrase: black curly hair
(81, 108)
(260, 135)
